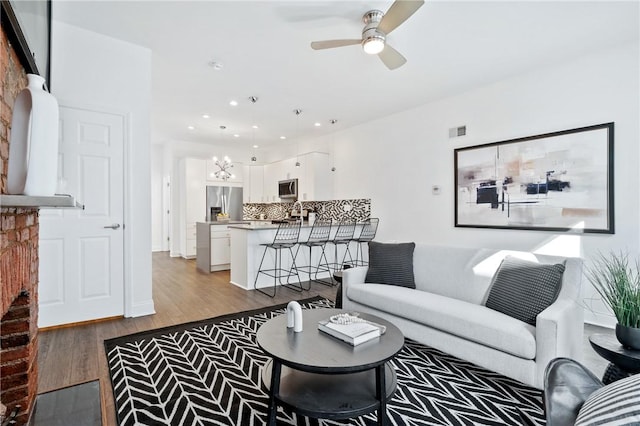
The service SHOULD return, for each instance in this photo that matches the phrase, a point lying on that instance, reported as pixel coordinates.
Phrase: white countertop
(260, 225)
(256, 225)
(226, 222)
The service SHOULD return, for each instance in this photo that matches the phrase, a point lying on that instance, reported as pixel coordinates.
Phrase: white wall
(395, 160)
(90, 70)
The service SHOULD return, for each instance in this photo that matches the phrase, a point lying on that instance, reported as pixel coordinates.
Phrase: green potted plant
(617, 281)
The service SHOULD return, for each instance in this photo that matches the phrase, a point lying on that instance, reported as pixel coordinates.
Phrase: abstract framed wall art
(560, 181)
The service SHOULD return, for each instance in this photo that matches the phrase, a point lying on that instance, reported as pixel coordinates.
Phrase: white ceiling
(451, 46)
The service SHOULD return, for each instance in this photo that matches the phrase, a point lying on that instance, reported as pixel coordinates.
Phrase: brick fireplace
(18, 265)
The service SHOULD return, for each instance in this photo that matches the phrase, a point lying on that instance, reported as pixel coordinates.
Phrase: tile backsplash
(358, 209)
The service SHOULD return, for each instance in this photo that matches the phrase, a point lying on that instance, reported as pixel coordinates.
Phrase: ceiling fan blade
(392, 58)
(399, 12)
(329, 44)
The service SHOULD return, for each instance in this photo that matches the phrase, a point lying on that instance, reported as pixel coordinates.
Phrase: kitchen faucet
(301, 208)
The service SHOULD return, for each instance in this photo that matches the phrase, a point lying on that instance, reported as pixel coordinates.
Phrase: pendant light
(225, 165)
(333, 146)
(253, 100)
(297, 113)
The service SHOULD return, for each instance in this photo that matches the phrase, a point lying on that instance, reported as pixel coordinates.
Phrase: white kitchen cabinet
(220, 252)
(313, 175)
(271, 182)
(220, 248)
(257, 184)
(315, 183)
(246, 184)
(281, 170)
(195, 191)
(253, 191)
(190, 241)
(314, 179)
(192, 196)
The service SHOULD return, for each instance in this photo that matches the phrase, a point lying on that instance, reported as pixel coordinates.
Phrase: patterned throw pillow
(391, 264)
(615, 404)
(522, 289)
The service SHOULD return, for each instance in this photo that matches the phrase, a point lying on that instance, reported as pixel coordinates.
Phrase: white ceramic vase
(33, 146)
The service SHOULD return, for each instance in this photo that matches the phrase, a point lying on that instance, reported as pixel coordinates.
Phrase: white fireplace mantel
(55, 201)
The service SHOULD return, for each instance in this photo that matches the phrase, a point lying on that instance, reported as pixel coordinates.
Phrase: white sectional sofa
(446, 310)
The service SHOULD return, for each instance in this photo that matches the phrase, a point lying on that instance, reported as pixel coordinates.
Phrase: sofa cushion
(453, 271)
(523, 289)
(463, 319)
(617, 403)
(391, 264)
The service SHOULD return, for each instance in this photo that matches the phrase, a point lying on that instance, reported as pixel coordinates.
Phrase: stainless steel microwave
(288, 189)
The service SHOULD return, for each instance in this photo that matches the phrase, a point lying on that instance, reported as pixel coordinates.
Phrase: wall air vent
(456, 132)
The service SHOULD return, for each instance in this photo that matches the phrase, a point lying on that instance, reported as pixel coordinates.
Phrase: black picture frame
(34, 57)
(560, 181)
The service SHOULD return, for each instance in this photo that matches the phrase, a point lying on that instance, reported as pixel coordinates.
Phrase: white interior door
(82, 251)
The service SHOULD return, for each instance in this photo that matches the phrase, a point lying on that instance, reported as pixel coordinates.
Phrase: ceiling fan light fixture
(373, 44)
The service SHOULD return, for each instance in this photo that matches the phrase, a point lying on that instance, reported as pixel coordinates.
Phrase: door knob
(114, 226)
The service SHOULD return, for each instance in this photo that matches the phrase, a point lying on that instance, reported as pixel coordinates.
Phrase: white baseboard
(141, 309)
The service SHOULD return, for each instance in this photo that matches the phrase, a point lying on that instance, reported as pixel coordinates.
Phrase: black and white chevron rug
(208, 373)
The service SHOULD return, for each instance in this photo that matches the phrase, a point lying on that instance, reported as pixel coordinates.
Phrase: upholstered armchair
(574, 396)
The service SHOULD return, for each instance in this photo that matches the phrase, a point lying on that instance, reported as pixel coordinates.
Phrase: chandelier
(224, 167)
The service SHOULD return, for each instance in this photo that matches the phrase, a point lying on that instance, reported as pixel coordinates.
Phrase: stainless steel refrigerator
(224, 199)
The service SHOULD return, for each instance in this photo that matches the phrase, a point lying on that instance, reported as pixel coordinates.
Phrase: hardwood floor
(73, 355)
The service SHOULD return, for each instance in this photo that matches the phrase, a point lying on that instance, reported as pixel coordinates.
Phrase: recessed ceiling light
(256, 146)
(255, 126)
(205, 116)
(233, 103)
(317, 124)
(283, 137)
(191, 128)
(236, 135)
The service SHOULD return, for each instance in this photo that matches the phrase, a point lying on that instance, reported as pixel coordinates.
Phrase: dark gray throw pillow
(522, 289)
(391, 264)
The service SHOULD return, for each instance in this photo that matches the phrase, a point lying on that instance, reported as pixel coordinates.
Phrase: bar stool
(343, 237)
(286, 238)
(318, 237)
(368, 233)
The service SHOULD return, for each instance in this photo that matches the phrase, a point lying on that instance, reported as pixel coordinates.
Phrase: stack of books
(354, 333)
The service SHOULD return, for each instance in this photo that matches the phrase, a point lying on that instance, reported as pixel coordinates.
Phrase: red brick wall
(18, 264)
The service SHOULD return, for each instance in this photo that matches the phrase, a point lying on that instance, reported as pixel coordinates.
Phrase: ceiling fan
(374, 35)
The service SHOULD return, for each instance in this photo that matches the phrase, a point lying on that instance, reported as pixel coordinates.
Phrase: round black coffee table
(319, 376)
(623, 362)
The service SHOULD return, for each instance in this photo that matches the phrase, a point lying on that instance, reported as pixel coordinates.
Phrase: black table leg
(381, 394)
(276, 368)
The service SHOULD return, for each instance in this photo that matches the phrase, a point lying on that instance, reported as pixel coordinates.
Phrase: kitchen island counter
(226, 222)
(261, 225)
(212, 244)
